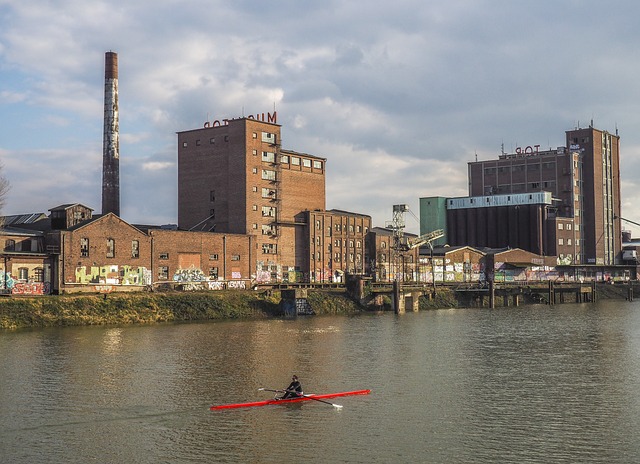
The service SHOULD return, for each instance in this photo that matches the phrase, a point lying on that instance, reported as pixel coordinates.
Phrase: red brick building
(74, 251)
(584, 181)
(336, 242)
(235, 177)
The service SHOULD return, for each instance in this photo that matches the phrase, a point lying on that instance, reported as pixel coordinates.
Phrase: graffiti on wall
(113, 275)
(16, 287)
(189, 275)
(192, 279)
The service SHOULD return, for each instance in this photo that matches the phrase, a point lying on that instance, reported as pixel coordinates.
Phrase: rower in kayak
(294, 389)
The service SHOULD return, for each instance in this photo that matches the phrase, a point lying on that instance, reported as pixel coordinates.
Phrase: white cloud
(398, 97)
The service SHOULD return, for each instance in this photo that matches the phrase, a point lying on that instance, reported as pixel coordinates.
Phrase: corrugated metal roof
(28, 218)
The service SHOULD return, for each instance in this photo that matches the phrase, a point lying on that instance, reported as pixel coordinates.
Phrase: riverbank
(141, 308)
(144, 308)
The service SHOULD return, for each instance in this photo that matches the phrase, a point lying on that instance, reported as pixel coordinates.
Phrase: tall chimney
(110, 139)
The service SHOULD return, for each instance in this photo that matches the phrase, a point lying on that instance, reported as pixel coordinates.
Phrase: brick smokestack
(110, 139)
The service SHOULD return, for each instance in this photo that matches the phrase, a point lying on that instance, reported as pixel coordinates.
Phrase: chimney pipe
(110, 140)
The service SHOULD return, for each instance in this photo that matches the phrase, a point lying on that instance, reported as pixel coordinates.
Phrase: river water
(529, 384)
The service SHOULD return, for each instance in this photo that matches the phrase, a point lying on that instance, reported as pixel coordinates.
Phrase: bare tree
(4, 191)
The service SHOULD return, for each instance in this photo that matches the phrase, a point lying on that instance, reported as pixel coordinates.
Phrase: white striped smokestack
(110, 139)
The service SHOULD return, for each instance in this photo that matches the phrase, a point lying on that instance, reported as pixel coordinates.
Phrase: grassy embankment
(128, 308)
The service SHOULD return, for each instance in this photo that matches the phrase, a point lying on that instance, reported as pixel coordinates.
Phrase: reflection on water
(528, 384)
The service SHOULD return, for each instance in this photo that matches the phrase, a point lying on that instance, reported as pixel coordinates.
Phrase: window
(23, 273)
(560, 226)
(383, 257)
(268, 211)
(568, 241)
(351, 228)
(84, 247)
(254, 188)
(268, 175)
(295, 161)
(255, 152)
(306, 163)
(317, 240)
(350, 243)
(284, 159)
(318, 225)
(111, 248)
(317, 164)
(255, 207)
(226, 138)
(213, 257)
(9, 245)
(38, 274)
(337, 242)
(213, 272)
(338, 227)
(568, 226)
(212, 140)
(198, 143)
(163, 273)
(135, 249)
(254, 226)
(560, 241)
(235, 257)
(267, 229)
(268, 156)
(383, 245)
(184, 144)
(358, 229)
(269, 248)
(268, 137)
(336, 257)
(212, 195)
(212, 213)
(164, 255)
(255, 135)
(268, 193)
(255, 171)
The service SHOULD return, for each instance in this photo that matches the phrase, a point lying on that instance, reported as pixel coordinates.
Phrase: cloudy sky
(398, 96)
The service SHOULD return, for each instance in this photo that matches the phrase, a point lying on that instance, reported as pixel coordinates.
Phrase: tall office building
(235, 177)
(584, 181)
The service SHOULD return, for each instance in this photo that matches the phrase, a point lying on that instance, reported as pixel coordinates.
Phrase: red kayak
(291, 400)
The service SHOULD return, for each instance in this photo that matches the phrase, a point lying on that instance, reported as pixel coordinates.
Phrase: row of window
(135, 250)
(339, 227)
(110, 251)
(548, 166)
(23, 275)
(212, 141)
(270, 157)
(338, 243)
(337, 257)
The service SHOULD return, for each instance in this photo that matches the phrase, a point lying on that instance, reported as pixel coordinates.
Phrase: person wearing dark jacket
(293, 390)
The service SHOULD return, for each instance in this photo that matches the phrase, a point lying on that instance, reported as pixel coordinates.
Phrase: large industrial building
(235, 177)
(563, 202)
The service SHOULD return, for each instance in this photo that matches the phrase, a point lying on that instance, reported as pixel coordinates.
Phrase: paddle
(339, 406)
